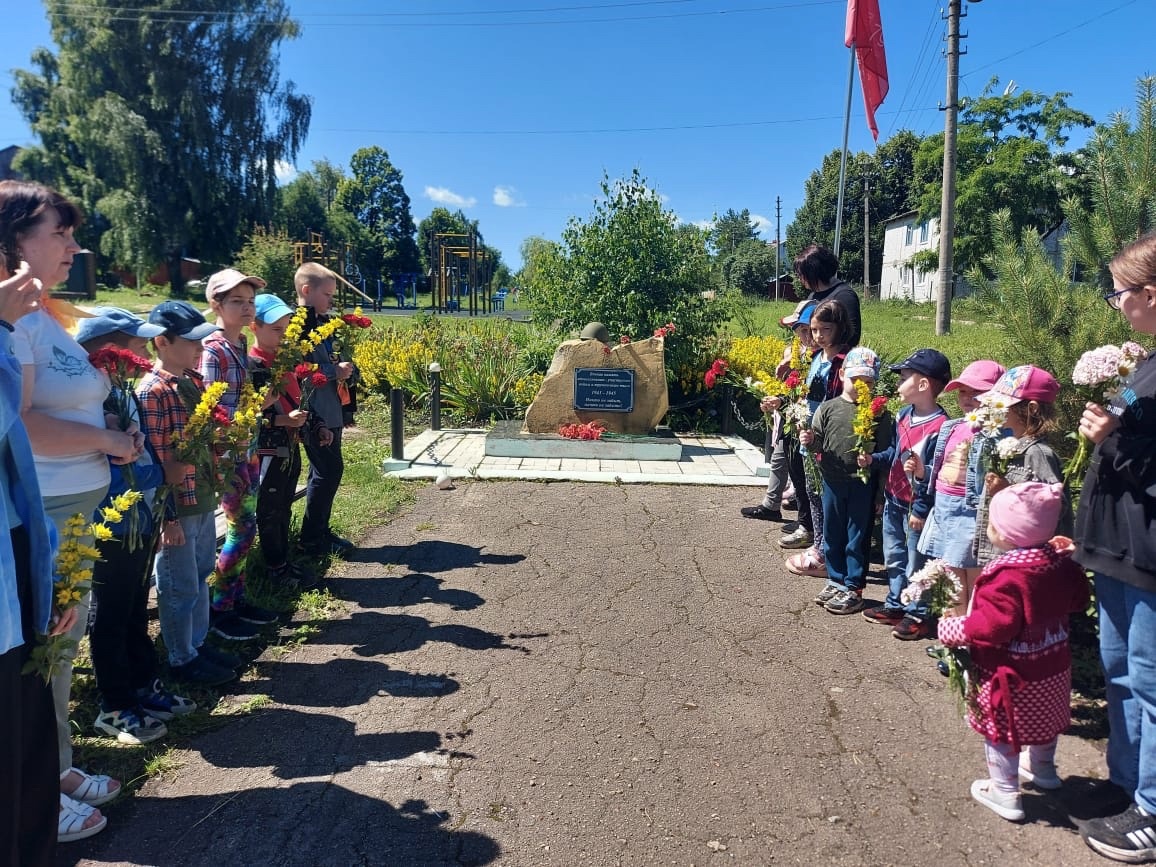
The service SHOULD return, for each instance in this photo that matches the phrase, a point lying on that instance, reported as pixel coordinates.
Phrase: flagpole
(843, 158)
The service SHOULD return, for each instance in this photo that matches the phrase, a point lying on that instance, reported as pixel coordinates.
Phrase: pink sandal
(807, 563)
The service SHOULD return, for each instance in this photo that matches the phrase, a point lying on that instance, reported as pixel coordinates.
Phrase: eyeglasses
(1113, 298)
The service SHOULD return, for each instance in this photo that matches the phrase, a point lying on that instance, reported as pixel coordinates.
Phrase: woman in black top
(1116, 540)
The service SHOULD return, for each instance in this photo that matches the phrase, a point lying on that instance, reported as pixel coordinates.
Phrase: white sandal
(70, 822)
(94, 789)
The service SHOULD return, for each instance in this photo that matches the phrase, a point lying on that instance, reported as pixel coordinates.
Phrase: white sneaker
(798, 538)
(1043, 776)
(132, 726)
(1007, 806)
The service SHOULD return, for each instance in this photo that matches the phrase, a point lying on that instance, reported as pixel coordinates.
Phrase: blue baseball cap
(270, 308)
(182, 319)
(108, 320)
(800, 316)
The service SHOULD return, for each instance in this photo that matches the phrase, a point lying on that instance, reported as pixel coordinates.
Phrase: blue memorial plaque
(607, 389)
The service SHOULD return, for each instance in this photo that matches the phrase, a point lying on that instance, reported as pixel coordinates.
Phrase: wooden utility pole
(945, 281)
(866, 240)
(778, 245)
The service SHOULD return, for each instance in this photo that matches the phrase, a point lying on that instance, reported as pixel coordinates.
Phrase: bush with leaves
(269, 255)
(631, 266)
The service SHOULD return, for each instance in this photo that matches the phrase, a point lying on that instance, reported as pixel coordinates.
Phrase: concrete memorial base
(507, 440)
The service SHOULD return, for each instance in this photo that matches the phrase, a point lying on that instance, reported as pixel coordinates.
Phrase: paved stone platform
(706, 460)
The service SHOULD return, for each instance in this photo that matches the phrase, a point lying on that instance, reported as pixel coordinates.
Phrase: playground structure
(340, 261)
(460, 272)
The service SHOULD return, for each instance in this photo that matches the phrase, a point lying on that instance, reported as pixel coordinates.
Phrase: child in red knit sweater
(1016, 629)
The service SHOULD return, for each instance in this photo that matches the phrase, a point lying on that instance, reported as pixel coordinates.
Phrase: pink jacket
(1016, 630)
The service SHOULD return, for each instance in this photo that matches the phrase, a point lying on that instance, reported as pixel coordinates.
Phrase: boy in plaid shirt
(188, 549)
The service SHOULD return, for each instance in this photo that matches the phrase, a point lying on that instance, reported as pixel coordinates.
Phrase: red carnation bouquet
(124, 367)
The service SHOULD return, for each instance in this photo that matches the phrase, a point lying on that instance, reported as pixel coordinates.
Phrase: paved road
(568, 674)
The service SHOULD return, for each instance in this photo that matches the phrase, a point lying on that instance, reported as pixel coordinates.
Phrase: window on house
(910, 236)
(923, 233)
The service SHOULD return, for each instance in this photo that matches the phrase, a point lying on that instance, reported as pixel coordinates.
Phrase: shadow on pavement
(297, 744)
(389, 591)
(314, 823)
(434, 555)
(342, 682)
(370, 633)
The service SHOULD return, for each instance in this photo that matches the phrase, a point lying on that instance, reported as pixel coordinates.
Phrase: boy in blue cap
(906, 499)
(188, 551)
(278, 445)
(134, 703)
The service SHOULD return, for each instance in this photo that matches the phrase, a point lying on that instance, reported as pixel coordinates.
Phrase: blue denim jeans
(900, 555)
(846, 518)
(1127, 624)
(182, 574)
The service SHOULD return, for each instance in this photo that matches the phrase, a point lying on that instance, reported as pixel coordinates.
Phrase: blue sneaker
(156, 701)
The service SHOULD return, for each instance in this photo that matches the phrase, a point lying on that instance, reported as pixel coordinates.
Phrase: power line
(184, 17)
(917, 66)
(85, 8)
(1053, 37)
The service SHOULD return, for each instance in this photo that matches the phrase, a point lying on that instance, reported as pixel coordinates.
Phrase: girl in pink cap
(1016, 629)
(1029, 392)
(955, 480)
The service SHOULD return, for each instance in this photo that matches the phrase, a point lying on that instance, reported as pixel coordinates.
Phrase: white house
(902, 237)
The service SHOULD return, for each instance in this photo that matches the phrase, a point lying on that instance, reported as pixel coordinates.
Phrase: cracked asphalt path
(569, 674)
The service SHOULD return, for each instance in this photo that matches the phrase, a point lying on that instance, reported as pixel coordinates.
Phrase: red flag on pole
(865, 33)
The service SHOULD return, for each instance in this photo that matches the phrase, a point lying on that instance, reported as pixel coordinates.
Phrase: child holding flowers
(831, 334)
(316, 285)
(278, 446)
(226, 359)
(1016, 629)
(133, 702)
(906, 502)
(781, 438)
(954, 478)
(841, 431)
(188, 535)
(1027, 394)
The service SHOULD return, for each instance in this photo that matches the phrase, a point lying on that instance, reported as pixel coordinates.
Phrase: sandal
(94, 789)
(806, 563)
(70, 822)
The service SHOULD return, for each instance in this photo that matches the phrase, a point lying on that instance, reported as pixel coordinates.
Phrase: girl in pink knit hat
(1016, 629)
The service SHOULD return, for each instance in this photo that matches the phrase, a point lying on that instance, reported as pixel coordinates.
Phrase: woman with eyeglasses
(1116, 541)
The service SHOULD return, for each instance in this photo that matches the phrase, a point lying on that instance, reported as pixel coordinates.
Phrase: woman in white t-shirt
(63, 410)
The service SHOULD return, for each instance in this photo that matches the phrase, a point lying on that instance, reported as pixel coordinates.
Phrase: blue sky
(514, 109)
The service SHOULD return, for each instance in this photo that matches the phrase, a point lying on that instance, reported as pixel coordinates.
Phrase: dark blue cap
(929, 362)
(182, 319)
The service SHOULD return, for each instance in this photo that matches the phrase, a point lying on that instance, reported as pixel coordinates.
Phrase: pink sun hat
(980, 375)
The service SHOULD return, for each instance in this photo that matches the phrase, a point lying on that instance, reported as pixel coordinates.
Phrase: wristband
(8, 326)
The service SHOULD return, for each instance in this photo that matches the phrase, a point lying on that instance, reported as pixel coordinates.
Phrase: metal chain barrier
(761, 424)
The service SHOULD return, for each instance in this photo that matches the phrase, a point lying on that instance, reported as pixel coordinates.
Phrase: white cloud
(706, 225)
(284, 171)
(765, 226)
(507, 197)
(446, 196)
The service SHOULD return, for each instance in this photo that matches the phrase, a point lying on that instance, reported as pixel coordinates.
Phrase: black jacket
(842, 292)
(1116, 518)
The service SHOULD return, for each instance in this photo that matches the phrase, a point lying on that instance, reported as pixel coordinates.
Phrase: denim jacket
(976, 461)
(24, 490)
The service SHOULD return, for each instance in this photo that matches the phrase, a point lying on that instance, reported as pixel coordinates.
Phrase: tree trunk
(176, 273)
